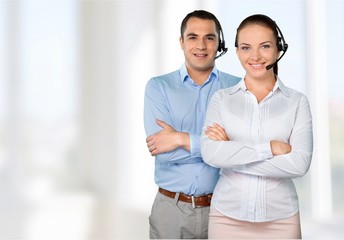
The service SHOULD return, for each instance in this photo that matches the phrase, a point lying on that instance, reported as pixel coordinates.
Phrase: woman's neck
(260, 87)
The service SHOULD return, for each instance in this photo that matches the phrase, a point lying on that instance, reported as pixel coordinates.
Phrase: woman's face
(256, 50)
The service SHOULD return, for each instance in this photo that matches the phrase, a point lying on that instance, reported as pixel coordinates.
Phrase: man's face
(200, 43)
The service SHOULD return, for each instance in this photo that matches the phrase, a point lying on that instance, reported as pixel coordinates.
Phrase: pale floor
(81, 217)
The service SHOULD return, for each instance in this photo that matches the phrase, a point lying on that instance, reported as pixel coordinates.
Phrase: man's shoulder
(227, 79)
(164, 81)
(167, 76)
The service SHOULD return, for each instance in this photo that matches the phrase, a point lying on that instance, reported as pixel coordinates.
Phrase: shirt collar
(278, 85)
(184, 75)
(241, 85)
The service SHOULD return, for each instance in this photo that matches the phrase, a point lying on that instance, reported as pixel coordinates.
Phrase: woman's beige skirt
(223, 227)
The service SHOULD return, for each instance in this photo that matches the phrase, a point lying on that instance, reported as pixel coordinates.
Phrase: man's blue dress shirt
(177, 100)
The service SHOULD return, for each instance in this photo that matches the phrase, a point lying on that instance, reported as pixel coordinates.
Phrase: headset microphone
(272, 65)
(222, 53)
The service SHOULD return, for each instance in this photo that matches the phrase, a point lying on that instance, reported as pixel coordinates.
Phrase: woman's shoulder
(291, 92)
(294, 93)
(229, 90)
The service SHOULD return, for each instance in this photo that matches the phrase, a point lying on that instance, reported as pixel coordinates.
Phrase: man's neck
(199, 77)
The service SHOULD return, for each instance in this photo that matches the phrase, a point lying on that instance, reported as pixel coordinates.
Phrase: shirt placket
(260, 207)
(200, 108)
(251, 183)
(203, 94)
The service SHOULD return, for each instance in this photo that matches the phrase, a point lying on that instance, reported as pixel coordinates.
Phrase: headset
(222, 44)
(281, 43)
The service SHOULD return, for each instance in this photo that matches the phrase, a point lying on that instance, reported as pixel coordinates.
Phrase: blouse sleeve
(229, 154)
(297, 162)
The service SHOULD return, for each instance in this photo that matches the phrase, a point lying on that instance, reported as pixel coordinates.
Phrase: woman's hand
(216, 133)
(279, 148)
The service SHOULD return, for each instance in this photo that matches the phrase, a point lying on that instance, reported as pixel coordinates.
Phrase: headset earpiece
(222, 45)
(281, 45)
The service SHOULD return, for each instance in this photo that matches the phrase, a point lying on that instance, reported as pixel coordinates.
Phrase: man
(175, 107)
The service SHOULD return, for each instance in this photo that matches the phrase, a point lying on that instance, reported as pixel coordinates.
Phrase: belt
(196, 201)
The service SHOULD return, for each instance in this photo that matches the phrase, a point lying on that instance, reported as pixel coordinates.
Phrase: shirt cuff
(195, 145)
(263, 150)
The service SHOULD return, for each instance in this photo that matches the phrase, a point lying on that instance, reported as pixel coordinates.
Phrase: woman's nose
(255, 54)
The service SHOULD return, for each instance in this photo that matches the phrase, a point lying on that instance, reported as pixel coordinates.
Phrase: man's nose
(201, 44)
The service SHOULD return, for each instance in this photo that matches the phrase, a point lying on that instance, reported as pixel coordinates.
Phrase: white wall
(73, 159)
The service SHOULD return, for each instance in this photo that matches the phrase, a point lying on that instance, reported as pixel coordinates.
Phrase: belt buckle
(193, 201)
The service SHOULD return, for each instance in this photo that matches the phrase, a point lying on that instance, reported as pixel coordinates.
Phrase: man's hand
(279, 148)
(167, 140)
(216, 133)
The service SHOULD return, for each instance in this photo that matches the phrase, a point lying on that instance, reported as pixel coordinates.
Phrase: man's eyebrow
(194, 35)
(191, 34)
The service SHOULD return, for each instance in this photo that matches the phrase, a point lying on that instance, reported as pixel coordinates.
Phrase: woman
(259, 133)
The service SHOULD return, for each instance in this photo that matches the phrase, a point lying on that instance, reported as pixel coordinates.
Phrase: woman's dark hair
(264, 21)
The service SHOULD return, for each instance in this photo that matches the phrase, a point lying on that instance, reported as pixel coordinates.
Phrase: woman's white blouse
(254, 185)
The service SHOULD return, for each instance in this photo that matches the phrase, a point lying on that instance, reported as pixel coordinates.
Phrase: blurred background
(73, 157)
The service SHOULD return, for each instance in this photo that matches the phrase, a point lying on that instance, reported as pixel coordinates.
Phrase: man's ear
(181, 42)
